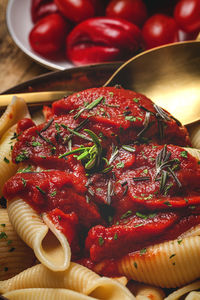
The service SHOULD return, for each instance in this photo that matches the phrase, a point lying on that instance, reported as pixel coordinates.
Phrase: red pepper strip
(107, 242)
(42, 8)
(45, 191)
(165, 203)
(121, 112)
(68, 224)
(109, 267)
(102, 39)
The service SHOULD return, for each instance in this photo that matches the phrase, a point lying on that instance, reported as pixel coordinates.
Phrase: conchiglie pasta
(45, 294)
(184, 291)
(15, 255)
(194, 132)
(38, 117)
(193, 296)
(7, 168)
(170, 264)
(145, 292)
(194, 152)
(15, 111)
(76, 277)
(49, 244)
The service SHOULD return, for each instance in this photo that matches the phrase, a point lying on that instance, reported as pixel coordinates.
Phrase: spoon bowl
(169, 75)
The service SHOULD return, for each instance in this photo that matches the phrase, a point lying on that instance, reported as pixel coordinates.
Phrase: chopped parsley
(36, 144)
(126, 214)
(138, 225)
(143, 251)
(6, 160)
(12, 249)
(22, 156)
(23, 181)
(184, 154)
(25, 170)
(3, 235)
(120, 165)
(53, 193)
(101, 241)
(115, 236)
(130, 118)
(135, 264)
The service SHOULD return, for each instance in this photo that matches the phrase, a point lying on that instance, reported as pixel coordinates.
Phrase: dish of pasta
(100, 199)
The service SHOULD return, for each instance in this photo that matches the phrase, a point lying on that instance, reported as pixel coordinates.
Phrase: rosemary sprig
(128, 148)
(75, 132)
(110, 191)
(80, 149)
(161, 113)
(48, 124)
(114, 154)
(91, 156)
(89, 106)
(144, 178)
(44, 138)
(165, 165)
(145, 123)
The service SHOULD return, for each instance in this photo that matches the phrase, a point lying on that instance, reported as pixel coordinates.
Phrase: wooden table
(15, 66)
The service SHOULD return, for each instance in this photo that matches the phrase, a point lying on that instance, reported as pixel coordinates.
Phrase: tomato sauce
(109, 169)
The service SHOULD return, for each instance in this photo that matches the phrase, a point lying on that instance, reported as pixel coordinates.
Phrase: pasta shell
(38, 117)
(14, 112)
(15, 255)
(7, 168)
(50, 246)
(76, 277)
(170, 264)
(194, 132)
(184, 290)
(193, 296)
(45, 294)
(145, 292)
(194, 152)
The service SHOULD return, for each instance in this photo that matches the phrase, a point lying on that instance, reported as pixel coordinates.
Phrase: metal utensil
(34, 98)
(169, 75)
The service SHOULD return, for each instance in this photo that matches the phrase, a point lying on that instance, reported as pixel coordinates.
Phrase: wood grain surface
(15, 66)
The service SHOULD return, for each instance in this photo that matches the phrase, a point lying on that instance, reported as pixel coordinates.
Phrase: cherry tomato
(48, 35)
(78, 10)
(133, 11)
(186, 36)
(42, 8)
(158, 30)
(187, 15)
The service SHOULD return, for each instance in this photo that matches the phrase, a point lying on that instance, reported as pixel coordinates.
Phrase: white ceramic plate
(19, 25)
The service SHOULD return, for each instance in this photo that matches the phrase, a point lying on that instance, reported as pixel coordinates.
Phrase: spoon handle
(34, 98)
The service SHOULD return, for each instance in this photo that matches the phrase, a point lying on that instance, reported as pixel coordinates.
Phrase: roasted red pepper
(79, 10)
(42, 8)
(102, 39)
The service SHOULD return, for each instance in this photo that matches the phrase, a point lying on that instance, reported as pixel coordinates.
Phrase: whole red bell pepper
(42, 8)
(102, 39)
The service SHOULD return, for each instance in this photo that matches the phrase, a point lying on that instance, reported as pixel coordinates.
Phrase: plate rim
(32, 55)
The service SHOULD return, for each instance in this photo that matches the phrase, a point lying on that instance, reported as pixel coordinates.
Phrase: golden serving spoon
(169, 75)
